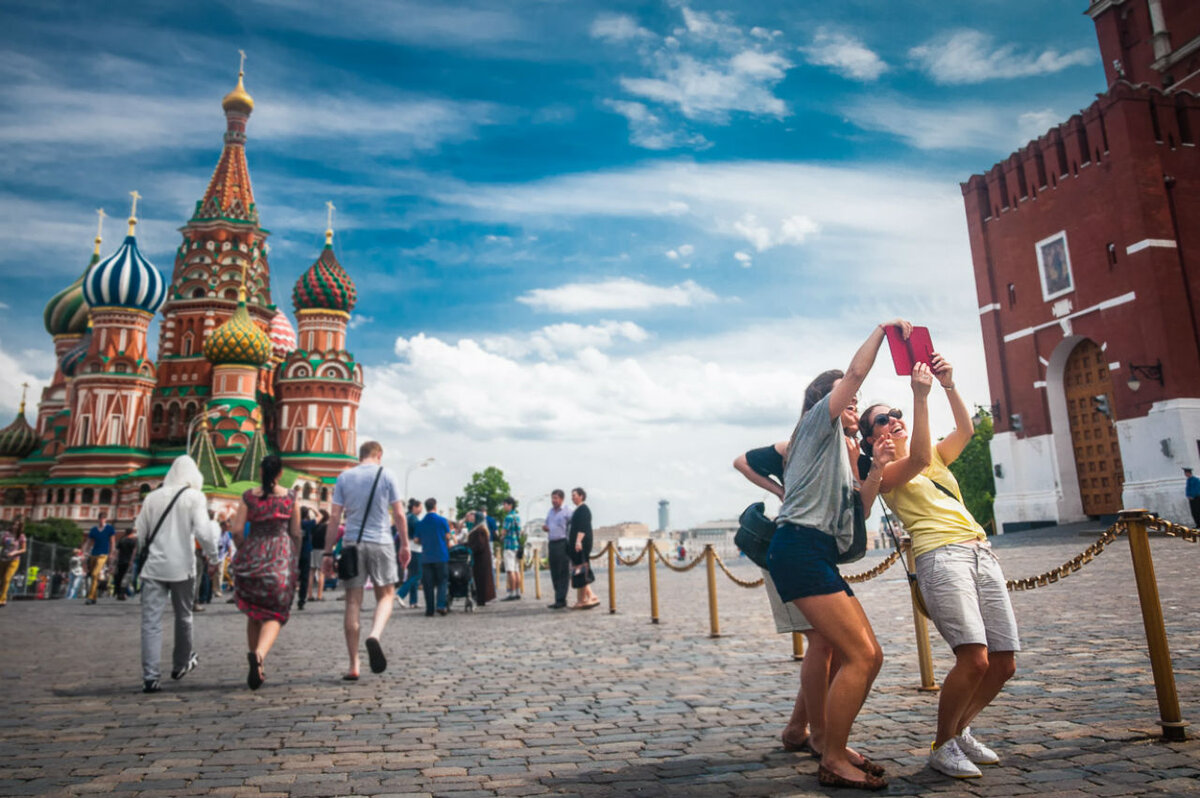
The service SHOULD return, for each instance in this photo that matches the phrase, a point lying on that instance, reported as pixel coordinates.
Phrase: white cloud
(651, 131)
(555, 339)
(971, 56)
(622, 293)
(686, 250)
(358, 320)
(844, 54)
(972, 126)
(34, 368)
(744, 259)
(618, 28)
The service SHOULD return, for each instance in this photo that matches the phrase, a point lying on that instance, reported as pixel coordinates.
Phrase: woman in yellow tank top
(959, 576)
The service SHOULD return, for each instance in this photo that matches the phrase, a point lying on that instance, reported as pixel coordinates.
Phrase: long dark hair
(272, 467)
(820, 387)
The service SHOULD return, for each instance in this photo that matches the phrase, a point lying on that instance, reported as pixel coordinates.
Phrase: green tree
(487, 488)
(973, 470)
(55, 530)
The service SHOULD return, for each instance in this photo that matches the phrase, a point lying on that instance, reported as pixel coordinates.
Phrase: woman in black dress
(579, 549)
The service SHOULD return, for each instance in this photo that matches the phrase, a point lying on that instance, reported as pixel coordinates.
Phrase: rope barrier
(679, 568)
(739, 582)
(636, 559)
(891, 560)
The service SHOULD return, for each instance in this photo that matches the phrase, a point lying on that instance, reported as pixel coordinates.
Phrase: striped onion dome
(18, 439)
(239, 340)
(125, 279)
(66, 313)
(325, 286)
(283, 336)
(75, 355)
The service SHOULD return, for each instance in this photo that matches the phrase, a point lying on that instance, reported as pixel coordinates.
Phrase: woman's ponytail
(271, 468)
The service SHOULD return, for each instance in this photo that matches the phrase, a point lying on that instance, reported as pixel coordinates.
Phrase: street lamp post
(411, 469)
(200, 417)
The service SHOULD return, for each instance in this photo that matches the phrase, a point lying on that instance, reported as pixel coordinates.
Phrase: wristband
(949, 387)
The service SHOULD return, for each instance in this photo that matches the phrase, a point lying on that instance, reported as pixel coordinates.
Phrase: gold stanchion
(924, 656)
(1170, 717)
(710, 560)
(537, 573)
(653, 582)
(612, 578)
(797, 645)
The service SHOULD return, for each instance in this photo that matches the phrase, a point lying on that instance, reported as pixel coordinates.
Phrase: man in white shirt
(179, 512)
(370, 497)
(558, 518)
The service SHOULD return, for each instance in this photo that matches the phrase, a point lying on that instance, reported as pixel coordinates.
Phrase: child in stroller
(461, 578)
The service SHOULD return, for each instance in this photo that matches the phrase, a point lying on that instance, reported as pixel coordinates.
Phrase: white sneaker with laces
(401, 603)
(949, 759)
(976, 751)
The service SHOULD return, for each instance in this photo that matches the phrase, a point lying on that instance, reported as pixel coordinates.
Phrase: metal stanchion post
(924, 655)
(1170, 717)
(537, 573)
(710, 560)
(612, 578)
(797, 645)
(652, 554)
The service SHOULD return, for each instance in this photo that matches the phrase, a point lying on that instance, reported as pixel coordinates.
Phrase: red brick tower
(319, 385)
(222, 237)
(1087, 269)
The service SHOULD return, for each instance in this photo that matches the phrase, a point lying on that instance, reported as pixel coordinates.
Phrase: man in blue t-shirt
(1193, 495)
(433, 531)
(98, 545)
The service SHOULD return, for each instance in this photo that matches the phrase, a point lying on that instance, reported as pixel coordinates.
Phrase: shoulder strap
(944, 489)
(367, 509)
(163, 517)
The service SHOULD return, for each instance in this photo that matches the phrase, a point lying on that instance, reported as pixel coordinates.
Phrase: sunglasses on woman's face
(883, 419)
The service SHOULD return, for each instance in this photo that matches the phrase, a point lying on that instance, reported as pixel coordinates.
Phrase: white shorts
(315, 558)
(511, 561)
(788, 617)
(965, 593)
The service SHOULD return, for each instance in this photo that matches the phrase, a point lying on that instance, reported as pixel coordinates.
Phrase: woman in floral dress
(265, 568)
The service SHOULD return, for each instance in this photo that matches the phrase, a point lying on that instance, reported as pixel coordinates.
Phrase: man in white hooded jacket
(170, 566)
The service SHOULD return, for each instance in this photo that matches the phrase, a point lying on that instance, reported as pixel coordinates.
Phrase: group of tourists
(836, 459)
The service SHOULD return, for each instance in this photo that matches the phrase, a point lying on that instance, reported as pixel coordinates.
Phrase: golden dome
(238, 99)
(238, 341)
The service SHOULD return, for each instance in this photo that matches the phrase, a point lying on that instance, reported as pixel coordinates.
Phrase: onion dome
(283, 336)
(239, 340)
(125, 278)
(18, 439)
(325, 286)
(239, 99)
(67, 313)
(75, 355)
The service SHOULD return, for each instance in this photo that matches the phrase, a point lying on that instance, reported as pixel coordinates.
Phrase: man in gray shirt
(370, 499)
(557, 520)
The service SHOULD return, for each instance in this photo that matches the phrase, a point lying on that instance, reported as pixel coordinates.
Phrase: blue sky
(606, 243)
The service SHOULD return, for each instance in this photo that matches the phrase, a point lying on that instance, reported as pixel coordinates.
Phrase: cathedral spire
(99, 231)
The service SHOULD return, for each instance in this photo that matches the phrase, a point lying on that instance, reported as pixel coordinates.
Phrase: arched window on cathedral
(307, 490)
(173, 424)
(231, 293)
(324, 494)
(157, 416)
(106, 495)
(197, 293)
(89, 496)
(187, 344)
(327, 440)
(189, 412)
(61, 496)
(71, 496)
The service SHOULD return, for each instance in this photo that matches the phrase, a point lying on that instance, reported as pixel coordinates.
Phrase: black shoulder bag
(754, 533)
(347, 564)
(145, 552)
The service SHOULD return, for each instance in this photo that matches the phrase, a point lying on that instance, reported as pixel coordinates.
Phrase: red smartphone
(917, 349)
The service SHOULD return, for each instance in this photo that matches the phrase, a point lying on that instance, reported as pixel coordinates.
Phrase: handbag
(347, 564)
(582, 576)
(858, 544)
(144, 554)
(754, 533)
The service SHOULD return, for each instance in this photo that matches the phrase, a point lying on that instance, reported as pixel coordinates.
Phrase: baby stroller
(461, 578)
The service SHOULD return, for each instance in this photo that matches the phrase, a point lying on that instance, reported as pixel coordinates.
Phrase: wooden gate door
(1093, 434)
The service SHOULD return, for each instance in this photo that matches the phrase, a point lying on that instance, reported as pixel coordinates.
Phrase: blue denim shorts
(803, 562)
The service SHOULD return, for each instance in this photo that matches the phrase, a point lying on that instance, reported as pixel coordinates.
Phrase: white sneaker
(401, 603)
(976, 751)
(950, 760)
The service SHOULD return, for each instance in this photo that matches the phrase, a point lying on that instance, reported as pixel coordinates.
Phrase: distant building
(664, 515)
(719, 533)
(1086, 251)
(616, 532)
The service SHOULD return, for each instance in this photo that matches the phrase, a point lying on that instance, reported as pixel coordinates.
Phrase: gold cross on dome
(100, 222)
(329, 214)
(136, 196)
(242, 65)
(24, 388)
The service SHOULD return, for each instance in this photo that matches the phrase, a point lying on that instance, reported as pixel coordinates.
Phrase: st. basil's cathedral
(232, 381)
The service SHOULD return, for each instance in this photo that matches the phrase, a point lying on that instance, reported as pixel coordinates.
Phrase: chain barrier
(1072, 565)
(891, 560)
(1173, 530)
(679, 568)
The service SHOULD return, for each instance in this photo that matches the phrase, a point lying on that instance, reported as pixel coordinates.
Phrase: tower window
(1112, 254)
(1012, 295)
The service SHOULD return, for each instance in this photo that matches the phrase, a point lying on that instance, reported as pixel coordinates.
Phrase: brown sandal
(800, 746)
(827, 778)
(866, 765)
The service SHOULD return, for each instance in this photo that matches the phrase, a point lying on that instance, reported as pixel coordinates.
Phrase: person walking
(126, 549)
(558, 519)
(366, 496)
(265, 568)
(960, 577)
(407, 592)
(433, 533)
(172, 520)
(1192, 491)
(98, 546)
(512, 549)
(317, 559)
(579, 549)
(12, 546)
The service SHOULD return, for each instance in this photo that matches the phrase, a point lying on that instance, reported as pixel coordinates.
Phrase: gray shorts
(378, 562)
(967, 600)
(788, 617)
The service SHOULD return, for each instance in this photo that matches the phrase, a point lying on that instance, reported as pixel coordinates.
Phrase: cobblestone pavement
(517, 700)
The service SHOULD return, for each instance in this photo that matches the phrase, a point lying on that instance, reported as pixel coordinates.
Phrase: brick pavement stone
(498, 703)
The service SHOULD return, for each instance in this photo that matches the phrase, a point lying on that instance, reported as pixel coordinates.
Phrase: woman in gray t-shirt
(815, 524)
